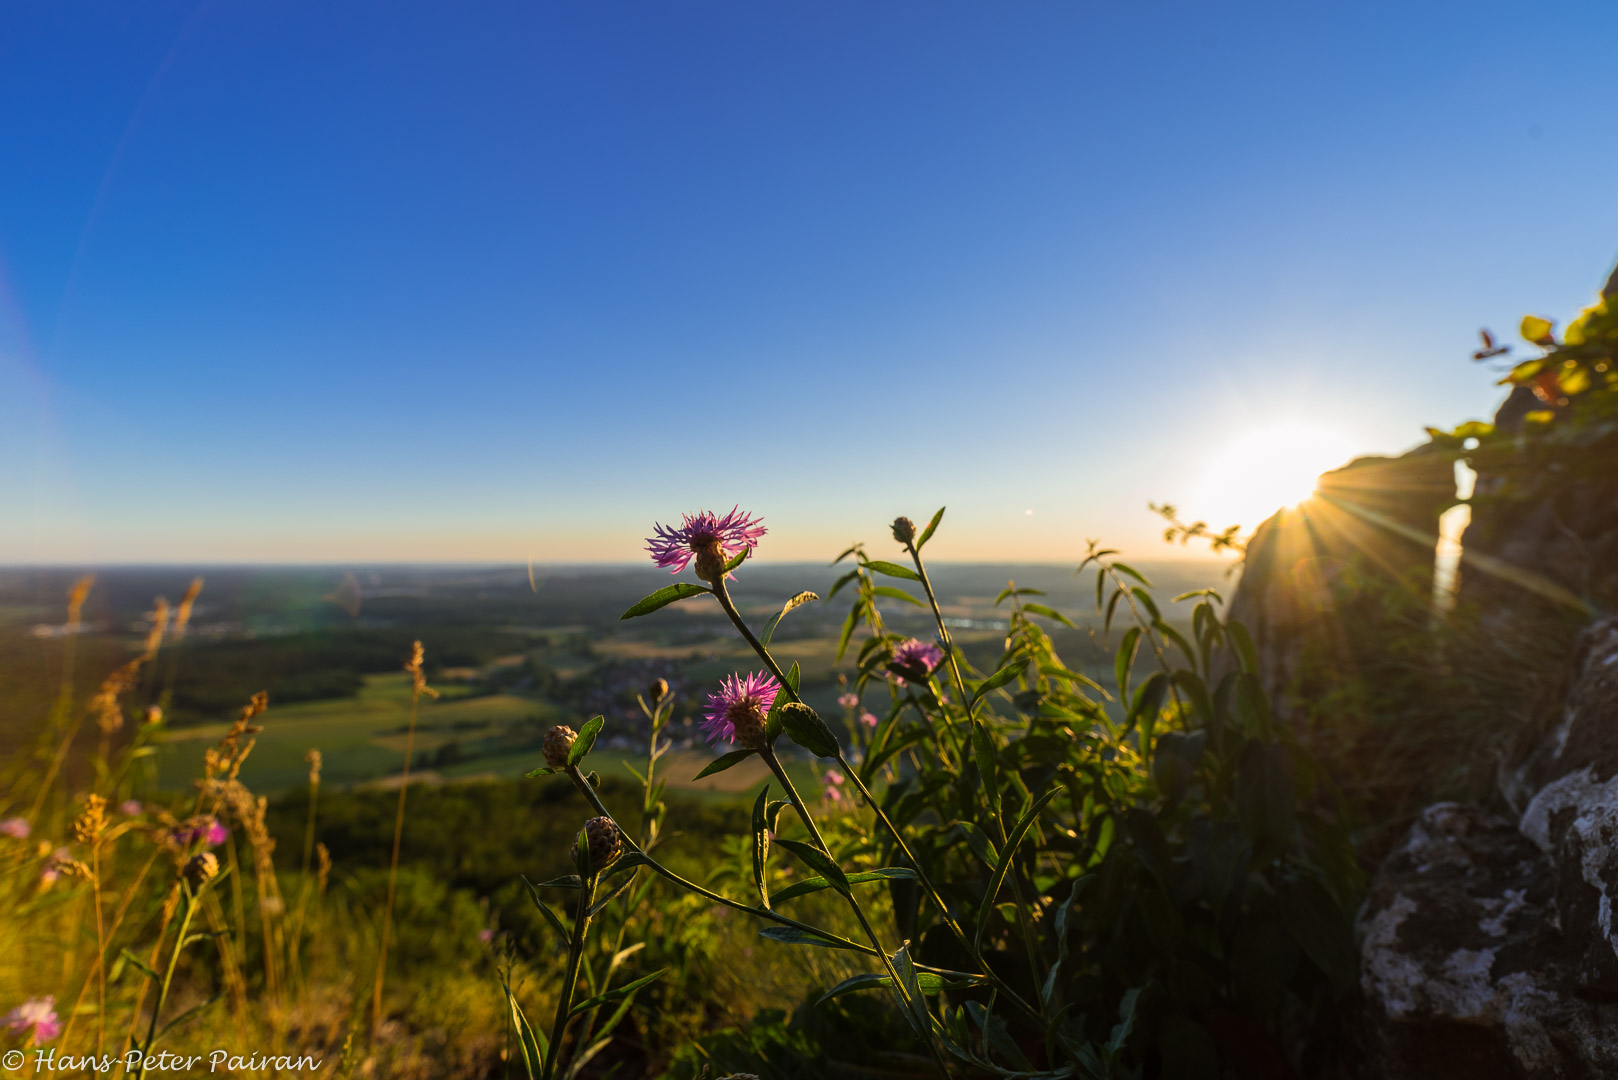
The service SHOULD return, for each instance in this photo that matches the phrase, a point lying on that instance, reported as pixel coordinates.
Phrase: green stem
(570, 980)
(168, 978)
(1024, 927)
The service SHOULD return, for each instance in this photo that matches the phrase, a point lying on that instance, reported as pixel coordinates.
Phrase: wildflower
(737, 713)
(605, 841)
(834, 780)
(15, 827)
(558, 741)
(60, 864)
(485, 935)
(834, 777)
(658, 690)
(914, 661)
(904, 530)
(835, 794)
(131, 808)
(154, 714)
(37, 1017)
(713, 540)
(869, 719)
(200, 869)
(203, 827)
(849, 701)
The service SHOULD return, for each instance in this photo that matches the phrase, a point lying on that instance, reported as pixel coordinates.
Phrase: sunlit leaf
(662, 598)
(585, 739)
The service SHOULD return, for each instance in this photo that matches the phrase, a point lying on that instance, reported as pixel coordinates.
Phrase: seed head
(200, 869)
(606, 844)
(558, 741)
(88, 827)
(904, 530)
(315, 761)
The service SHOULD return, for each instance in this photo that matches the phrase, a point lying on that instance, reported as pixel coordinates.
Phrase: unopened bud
(711, 561)
(658, 690)
(200, 869)
(558, 741)
(904, 530)
(154, 714)
(606, 844)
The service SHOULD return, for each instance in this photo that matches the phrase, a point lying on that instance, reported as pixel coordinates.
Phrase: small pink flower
(131, 808)
(15, 827)
(869, 719)
(215, 834)
(485, 935)
(849, 701)
(834, 794)
(37, 1017)
(834, 777)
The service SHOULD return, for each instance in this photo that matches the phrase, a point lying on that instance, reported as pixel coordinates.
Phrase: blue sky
(359, 282)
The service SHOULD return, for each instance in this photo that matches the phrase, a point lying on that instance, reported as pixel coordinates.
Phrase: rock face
(1489, 947)
(1303, 592)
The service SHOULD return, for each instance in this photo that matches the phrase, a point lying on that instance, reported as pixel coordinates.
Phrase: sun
(1264, 471)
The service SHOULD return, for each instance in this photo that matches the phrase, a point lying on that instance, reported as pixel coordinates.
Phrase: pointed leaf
(662, 598)
(720, 764)
(932, 527)
(585, 739)
(615, 995)
(892, 569)
(819, 861)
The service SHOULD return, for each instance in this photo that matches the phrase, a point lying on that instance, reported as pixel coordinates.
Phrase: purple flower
(834, 777)
(849, 701)
(706, 537)
(914, 661)
(37, 1017)
(485, 935)
(869, 719)
(130, 808)
(53, 869)
(205, 828)
(834, 794)
(15, 827)
(737, 712)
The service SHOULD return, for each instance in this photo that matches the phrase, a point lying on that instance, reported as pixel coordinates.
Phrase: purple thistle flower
(737, 712)
(37, 1017)
(914, 661)
(15, 827)
(705, 534)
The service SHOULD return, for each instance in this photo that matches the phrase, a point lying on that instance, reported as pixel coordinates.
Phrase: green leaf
(979, 842)
(837, 586)
(1112, 606)
(544, 909)
(533, 1044)
(983, 751)
(1049, 613)
(193, 1011)
(796, 601)
(1321, 930)
(720, 764)
(761, 845)
(896, 594)
(805, 727)
(892, 569)
(683, 590)
(998, 679)
(928, 982)
(809, 885)
(932, 527)
(140, 965)
(737, 559)
(848, 628)
(1124, 660)
(615, 995)
(1003, 865)
(791, 935)
(1125, 568)
(586, 739)
(819, 861)
(1244, 646)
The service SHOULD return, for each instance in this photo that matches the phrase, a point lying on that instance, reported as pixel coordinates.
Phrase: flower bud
(658, 690)
(154, 714)
(606, 844)
(558, 741)
(200, 869)
(711, 562)
(904, 530)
